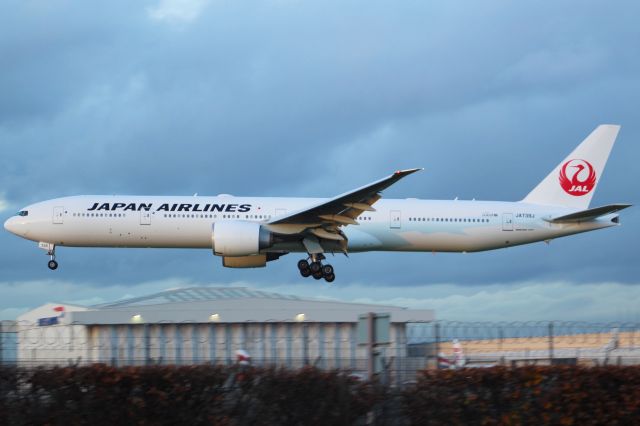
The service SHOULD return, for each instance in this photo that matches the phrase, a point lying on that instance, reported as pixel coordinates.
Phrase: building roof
(227, 305)
(196, 294)
(7, 326)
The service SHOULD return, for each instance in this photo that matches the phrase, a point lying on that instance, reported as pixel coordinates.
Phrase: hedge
(217, 395)
(195, 395)
(558, 395)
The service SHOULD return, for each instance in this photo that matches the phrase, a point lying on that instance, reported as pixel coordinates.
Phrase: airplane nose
(11, 225)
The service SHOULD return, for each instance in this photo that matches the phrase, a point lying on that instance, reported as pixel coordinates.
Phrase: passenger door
(395, 219)
(507, 221)
(145, 217)
(58, 215)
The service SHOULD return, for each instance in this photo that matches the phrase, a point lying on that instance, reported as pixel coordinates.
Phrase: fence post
(551, 343)
(437, 345)
(147, 348)
(371, 338)
(305, 343)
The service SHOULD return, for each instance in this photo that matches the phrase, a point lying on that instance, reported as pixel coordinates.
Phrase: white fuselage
(395, 225)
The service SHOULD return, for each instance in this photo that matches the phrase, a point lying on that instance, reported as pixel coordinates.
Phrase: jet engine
(238, 238)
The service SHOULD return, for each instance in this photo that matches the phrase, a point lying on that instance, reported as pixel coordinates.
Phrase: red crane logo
(577, 177)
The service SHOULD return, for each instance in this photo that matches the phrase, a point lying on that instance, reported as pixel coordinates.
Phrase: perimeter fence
(413, 346)
(528, 342)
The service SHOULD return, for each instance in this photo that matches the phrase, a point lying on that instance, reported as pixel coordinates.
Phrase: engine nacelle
(253, 261)
(239, 238)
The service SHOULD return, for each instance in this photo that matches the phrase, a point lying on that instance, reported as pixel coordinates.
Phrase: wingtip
(408, 171)
(611, 126)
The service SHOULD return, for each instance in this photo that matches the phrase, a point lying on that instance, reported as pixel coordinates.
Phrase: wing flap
(589, 214)
(360, 206)
(326, 235)
(341, 219)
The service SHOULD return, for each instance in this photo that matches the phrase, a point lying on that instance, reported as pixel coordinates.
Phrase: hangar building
(8, 342)
(209, 324)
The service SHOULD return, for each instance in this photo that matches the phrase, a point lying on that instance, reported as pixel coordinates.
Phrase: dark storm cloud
(287, 98)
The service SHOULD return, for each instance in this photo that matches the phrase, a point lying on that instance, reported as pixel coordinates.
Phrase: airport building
(209, 325)
(8, 342)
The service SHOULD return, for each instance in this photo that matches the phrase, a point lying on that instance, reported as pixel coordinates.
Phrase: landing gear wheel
(327, 270)
(316, 267)
(303, 264)
(313, 267)
(51, 252)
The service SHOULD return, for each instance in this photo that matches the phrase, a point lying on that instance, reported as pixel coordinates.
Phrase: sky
(293, 98)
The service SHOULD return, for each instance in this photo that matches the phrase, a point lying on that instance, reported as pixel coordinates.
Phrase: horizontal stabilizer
(590, 214)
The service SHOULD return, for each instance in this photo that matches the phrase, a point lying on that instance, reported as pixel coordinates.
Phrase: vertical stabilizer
(573, 182)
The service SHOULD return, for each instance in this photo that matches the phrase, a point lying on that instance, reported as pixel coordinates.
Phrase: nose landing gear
(51, 252)
(316, 269)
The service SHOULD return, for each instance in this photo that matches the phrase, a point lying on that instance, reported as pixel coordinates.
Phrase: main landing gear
(316, 269)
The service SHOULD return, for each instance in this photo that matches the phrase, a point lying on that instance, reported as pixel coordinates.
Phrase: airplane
(458, 360)
(248, 232)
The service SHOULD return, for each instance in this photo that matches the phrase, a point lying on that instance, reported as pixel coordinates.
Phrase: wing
(324, 219)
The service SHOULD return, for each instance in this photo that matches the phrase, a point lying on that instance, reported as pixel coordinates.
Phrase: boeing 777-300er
(248, 232)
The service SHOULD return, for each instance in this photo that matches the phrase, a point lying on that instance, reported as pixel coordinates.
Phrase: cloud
(177, 11)
(26, 295)
(518, 301)
(4, 204)
(558, 69)
(300, 99)
(13, 313)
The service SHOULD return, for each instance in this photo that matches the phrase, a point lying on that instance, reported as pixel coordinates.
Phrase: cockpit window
(23, 213)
